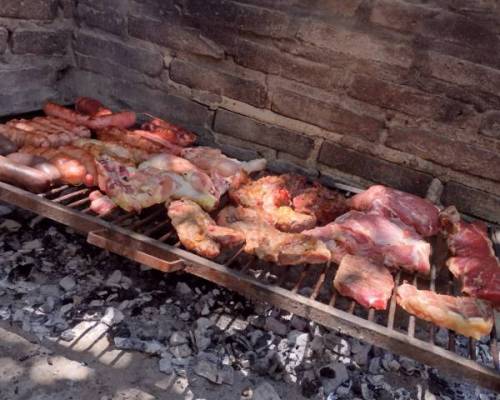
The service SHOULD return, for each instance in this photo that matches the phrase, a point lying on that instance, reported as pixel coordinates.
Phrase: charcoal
(165, 364)
(67, 283)
(265, 391)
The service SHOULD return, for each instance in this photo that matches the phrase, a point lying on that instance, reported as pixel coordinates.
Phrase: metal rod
(166, 235)
(352, 306)
(78, 202)
(147, 219)
(54, 191)
(411, 321)
(150, 231)
(234, 256)
(301, 279)
(319, 282)
(432, 287)
(392, 306)
(71, 195)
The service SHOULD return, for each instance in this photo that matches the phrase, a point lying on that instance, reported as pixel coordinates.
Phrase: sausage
(123, 119)
(21, 175)
(6, 146)
(55, 110)
(92, 107)
(37, 162)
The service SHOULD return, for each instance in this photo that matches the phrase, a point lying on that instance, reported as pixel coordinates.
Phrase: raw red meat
(464, 315)
(381, 239)
(414, 211)
(480, 277)
(368, 283)
(465, 239)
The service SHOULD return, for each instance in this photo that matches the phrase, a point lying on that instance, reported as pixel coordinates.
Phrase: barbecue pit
(304, 290)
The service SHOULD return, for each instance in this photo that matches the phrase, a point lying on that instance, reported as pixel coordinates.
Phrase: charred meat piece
(271, 196)
(414, 211)
(198, 232)
(270, 244)
(225, 172)
(376, 237)
(368, 283)
(170, 132)
(465, 239)
(323, 203)
(464, 315)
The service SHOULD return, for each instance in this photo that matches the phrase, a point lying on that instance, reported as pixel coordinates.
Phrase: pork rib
(368, 283)
(270, 244)
(198, 232)
(414, 211)
(464, 315)
(376, 237)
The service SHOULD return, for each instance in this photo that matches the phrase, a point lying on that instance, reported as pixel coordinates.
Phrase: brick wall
(35, 38)
(388, 91)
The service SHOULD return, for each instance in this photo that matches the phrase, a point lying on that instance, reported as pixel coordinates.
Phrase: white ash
(51, 281)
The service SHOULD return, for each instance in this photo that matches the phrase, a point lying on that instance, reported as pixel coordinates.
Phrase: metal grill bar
(392, 306)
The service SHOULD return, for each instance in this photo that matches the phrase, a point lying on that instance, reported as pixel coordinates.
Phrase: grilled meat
(271, 196)
(465, 239)
(92, 107)
(123, 119)
(100, 203)
(124, 136)
(368, 283)
(125, 154)
(464, 315)
(170, 132)
(42, 132)
(225, 172)
(414, 211)
(198, 232)
(323, 203)
(270, 244)
(378, 238)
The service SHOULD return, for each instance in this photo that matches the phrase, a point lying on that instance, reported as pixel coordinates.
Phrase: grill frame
(118, 233)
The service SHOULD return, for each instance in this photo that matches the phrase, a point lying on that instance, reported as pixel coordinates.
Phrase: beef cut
(381, 239)
(414, 211)
(464, 315)
(368, 283)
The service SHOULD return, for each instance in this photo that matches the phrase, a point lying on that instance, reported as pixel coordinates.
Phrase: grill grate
(303, 290)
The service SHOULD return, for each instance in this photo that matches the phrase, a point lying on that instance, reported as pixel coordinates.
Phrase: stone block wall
(35, 41)
(388, 91)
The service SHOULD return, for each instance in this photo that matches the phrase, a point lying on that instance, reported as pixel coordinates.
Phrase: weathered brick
(130, 56)
(472, 201)
(321, 7)
(108, 19)
(216, 80)
(154, 9)
(374, 169)
(261, 21)
(29, 9)
(119, 6)
(444, 151)
(25, 99)
(328, 115)
(13, 79)
(166, 33)
(40, 41)
(405, 99)
(464, 73)
(278, 138)
(357, 44)
(490, 125)
(432, 22)
(269, 59)
(4, 36)
(68, 8)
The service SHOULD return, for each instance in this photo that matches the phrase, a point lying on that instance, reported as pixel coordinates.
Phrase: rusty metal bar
(54, 191)
(411, 321)
(392, 306)
(319, 282)
(71, 195)
(147, 219)
(432, 287)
